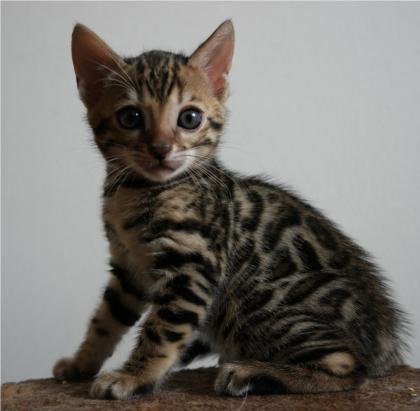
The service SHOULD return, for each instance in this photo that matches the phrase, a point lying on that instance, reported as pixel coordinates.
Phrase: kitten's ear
(214, 57)
(92, 60)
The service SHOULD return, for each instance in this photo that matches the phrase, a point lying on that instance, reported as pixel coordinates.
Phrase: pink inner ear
(219, 65)
(214, 56)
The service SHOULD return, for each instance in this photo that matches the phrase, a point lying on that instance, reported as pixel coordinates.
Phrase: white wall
(325, 97)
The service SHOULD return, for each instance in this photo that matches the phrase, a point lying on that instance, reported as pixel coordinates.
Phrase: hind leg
(335, 371)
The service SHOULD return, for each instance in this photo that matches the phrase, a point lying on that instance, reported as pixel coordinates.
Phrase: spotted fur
(226, 264)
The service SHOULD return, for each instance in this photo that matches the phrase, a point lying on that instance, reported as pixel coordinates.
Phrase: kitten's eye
(129, 118)
(190, 119)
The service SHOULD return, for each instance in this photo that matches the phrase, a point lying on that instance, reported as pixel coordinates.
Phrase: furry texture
(228, 264)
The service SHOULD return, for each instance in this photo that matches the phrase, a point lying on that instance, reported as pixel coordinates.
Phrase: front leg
(179, 306)
(120, 308)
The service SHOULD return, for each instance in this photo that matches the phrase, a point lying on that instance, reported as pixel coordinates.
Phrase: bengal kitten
(232, 265)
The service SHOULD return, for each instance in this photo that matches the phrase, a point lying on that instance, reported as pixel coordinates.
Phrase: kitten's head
(158, 114)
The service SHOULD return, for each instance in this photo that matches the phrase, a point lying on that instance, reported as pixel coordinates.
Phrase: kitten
(226, 264)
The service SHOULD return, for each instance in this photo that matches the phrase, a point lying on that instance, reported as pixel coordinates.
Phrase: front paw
(68, 369)
(120, 386)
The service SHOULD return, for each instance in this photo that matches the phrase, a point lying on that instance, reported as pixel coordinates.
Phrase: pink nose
(160, 150)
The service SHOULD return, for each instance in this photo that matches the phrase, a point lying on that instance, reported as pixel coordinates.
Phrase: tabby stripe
(139, 220)
(274, 230)
(178, 316)
(172, 258)
(164, 81)
(242, 254)
(322, 234)
(203, 287)
(121, 313)
(162, 299)
(215, 125)
(282, 265)
(307, 286)
(257, 301)
(335, 297)
(122, 276)
(179, 285)
(149, 88)
(188, 295)
(307, 254)
(188, 225)
(171, 85)
(251, 223)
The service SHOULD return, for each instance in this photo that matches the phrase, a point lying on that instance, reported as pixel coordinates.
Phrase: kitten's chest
(130, 215)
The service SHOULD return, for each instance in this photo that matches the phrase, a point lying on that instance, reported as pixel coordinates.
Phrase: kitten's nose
(160, 150)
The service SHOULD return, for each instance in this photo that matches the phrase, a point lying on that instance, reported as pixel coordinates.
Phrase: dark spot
(339, 260)
(152, 334)
(173, 336)
(281, 265)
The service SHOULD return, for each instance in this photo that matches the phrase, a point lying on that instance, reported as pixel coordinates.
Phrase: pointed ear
(214, 57)
(92, 58)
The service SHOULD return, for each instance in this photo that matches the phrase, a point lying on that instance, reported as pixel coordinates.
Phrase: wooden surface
(193, 390)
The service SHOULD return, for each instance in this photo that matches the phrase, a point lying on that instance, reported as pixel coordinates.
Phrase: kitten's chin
(162, 172)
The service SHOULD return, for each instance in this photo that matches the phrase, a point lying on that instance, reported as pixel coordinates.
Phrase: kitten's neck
(132, 179)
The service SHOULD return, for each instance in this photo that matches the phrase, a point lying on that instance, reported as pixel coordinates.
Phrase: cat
(222, 263)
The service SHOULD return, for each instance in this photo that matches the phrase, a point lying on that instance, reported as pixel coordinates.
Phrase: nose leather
(160, 150)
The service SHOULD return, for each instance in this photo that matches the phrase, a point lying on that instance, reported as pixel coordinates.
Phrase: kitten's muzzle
(160, 150)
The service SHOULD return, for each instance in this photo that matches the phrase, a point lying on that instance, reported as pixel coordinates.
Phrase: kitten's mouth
(163, 170)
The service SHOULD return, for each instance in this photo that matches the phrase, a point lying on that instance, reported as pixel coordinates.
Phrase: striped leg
(179, 306)
(119, 309)
(336, 371)
(195, 349)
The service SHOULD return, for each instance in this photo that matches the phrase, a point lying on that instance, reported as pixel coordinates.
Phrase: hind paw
(239, 380)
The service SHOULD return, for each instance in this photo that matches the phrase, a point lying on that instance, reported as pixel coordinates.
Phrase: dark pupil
(189, 119)
(129, 118)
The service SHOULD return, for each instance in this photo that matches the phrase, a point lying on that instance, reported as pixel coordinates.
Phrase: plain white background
(325, 97)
